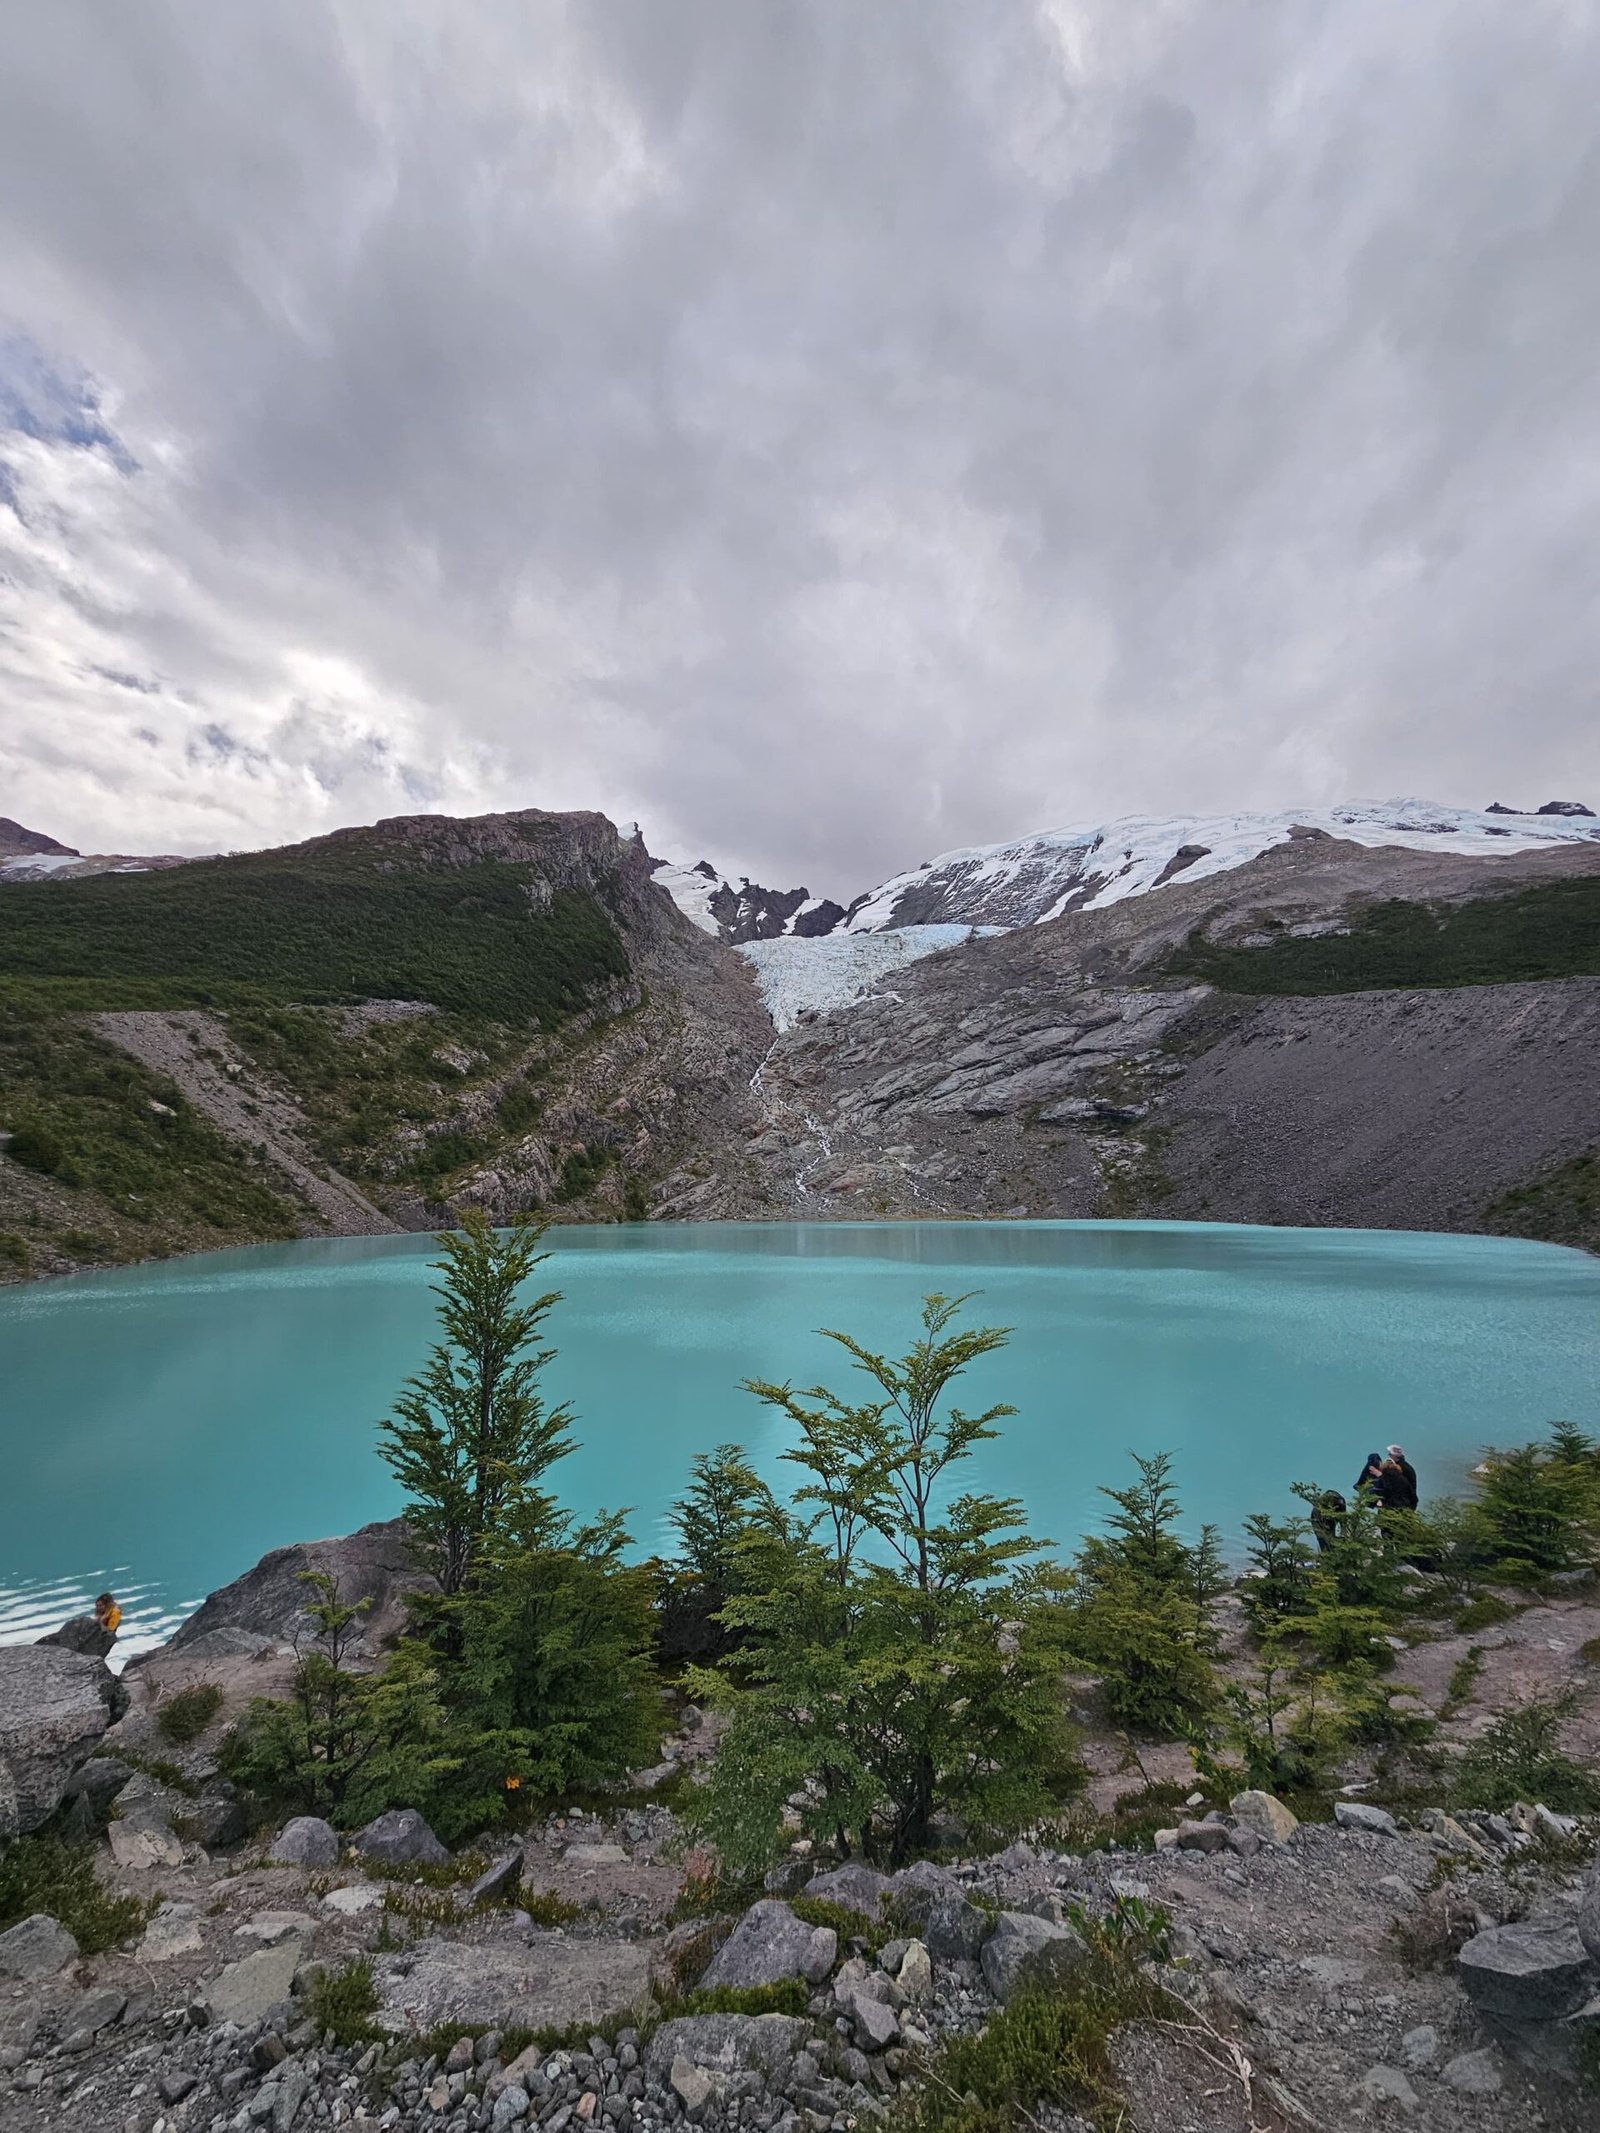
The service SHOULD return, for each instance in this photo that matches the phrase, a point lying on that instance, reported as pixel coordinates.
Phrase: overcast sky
(826, 432)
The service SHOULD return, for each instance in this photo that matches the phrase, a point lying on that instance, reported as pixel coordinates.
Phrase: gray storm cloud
(825, 433)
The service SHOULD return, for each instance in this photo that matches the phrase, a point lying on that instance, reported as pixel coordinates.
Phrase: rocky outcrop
(1052, 1072)
(55, 1705)
(268, 1604)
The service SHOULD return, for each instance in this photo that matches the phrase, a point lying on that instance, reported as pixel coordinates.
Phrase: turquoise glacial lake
(163, 1426)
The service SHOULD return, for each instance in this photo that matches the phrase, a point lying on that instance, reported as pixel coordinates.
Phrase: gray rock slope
(1053, 1071)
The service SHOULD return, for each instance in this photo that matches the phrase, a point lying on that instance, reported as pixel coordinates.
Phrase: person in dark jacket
(1369, 1477)
(1326, 1512)
(1408, 1477)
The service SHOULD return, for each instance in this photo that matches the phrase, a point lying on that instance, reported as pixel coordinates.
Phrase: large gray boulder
(373, 1564)
(1022, 1945)
(401, 1838)
(1535, 1971)
(1360, 1814)
(38, 1948)
(768, 1945)
(955, 1930)
(913, 1892)
(729, 2044)
(54, 1707)
(856, 1887)
(547, 1982)
(306, 1841)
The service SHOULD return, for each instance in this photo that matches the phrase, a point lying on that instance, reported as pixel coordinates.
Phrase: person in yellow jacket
(107, 1613)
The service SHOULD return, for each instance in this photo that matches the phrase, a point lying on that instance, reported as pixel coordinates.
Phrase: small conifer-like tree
(471, 1434)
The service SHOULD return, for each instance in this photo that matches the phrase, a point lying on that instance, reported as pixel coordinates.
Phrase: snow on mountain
(1041, 876)
(748, 913)
(691, 889)
(797, 974)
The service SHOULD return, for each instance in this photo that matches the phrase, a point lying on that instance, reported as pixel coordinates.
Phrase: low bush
(46, 1873)
(185, 1716)
(345, 2001)
(546, 1908)
(790, 1997)
(1048, 2046)
(1521, 1757)
(848, 1924)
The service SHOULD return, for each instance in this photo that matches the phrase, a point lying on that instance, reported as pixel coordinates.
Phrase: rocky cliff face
(1053, 1071)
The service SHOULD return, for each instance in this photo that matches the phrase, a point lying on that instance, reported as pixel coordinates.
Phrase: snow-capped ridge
(1088, 866)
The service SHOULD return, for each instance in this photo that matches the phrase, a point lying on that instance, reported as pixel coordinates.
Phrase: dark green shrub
(44, 1872)
(1521, 1757)
(1048, 2046)
(345, 2002)
(184, 1716)
(1535, 1506)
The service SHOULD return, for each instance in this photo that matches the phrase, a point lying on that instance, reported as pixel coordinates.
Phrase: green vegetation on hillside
(1560, 1207)
(136, 1171)
(1552, 931)
(321, 923)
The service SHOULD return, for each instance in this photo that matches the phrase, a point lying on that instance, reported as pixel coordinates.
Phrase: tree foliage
(471, 1435)
(895, 1661)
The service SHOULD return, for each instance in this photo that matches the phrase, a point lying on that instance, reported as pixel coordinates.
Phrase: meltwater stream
(162, 1426)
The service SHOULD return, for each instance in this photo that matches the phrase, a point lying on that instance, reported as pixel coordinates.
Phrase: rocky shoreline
(1433, 1969)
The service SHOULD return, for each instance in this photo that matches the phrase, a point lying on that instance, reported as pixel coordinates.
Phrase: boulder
(401, 1838)
(217, 1818)
(39, 1947)
(54, 1707)
(98, 1781)
(1202, 1837)
(375, 1564)
(1535, 1971)
(1264, 1815)
(497, 1881)
(140, 1847)
(1357, 1814)
(856, 1887)
(876, 2024)
(1021, 1942)
(82, 1633)
(955, 1930)
(246, 1992)
(915, 1890)
(548, 1982)
(306, 1841)
(770, 1944)
(915, 1973)
(729, 2044)
(692, 2088)
(595, 1855)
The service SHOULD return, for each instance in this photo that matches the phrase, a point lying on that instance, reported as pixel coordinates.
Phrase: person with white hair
(1397, 1485)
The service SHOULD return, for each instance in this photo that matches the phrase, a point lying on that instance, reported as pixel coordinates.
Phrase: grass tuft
(185, 1716)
